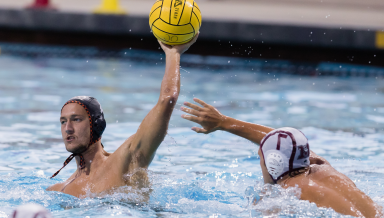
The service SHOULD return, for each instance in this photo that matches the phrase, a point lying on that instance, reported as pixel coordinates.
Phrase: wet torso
(105, 179)
(326, 187)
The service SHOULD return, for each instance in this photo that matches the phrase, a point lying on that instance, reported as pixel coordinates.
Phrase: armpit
(137, 160)
(140, 159)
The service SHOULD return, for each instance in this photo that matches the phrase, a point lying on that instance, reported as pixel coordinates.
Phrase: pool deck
(342, 23)
(351, 14)
(334, 24)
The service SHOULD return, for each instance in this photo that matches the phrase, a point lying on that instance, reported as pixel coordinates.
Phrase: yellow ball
(175, 22)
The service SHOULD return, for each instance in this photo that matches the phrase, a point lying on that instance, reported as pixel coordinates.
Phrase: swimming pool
(192, 175)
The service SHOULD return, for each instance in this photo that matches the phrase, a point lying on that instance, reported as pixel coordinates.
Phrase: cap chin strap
(82, 163)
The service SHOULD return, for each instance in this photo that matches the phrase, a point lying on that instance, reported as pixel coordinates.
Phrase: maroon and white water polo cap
(31, 211)
(284, 150)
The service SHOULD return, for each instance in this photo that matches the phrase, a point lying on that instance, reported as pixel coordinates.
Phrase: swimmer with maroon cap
(286, 160)
(82, 125)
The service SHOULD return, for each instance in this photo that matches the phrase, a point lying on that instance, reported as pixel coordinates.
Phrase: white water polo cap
(31, 211)
(284, 150)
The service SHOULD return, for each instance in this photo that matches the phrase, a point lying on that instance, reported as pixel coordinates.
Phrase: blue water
(192, 175)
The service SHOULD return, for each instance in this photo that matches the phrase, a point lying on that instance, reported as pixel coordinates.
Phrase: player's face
(75, 128)
(266, 176)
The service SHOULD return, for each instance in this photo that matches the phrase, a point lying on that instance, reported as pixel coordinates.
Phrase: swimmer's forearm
(170, 86)
(250, 131)
(153, 128)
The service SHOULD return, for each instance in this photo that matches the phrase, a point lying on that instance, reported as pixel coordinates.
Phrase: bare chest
(83, 185)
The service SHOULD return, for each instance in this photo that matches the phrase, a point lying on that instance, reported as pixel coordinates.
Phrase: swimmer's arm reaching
(211, 120)
(140, 149)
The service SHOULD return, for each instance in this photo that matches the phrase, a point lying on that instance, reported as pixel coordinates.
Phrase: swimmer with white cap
(286, 159)
(82, 125)
(31, 211)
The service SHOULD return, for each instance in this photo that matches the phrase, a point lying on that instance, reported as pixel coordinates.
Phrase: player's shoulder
(123, 150)
(318, 160)
(123, 159)
(321, 168)
(328, 176)
(322, 172)
(56, 187)
(60, 186)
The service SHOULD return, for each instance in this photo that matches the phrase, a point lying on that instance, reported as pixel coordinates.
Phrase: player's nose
(69, 128)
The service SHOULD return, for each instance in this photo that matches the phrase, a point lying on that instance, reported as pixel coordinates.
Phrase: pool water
(192, 175)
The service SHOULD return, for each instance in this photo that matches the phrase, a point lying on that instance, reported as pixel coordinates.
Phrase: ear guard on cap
(274, 161)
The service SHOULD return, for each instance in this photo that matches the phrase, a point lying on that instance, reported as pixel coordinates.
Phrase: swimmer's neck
(94, 158)
(283, 181)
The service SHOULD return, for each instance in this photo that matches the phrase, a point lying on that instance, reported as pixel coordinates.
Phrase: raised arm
(211, 120)
(139, 149)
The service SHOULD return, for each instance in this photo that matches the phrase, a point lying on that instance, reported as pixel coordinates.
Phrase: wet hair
(298, 171)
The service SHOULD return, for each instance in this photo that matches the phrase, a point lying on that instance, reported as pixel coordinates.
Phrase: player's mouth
(70, 138)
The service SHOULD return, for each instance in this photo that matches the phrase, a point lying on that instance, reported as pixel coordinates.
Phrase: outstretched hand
(207, 116)
(178, 48)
